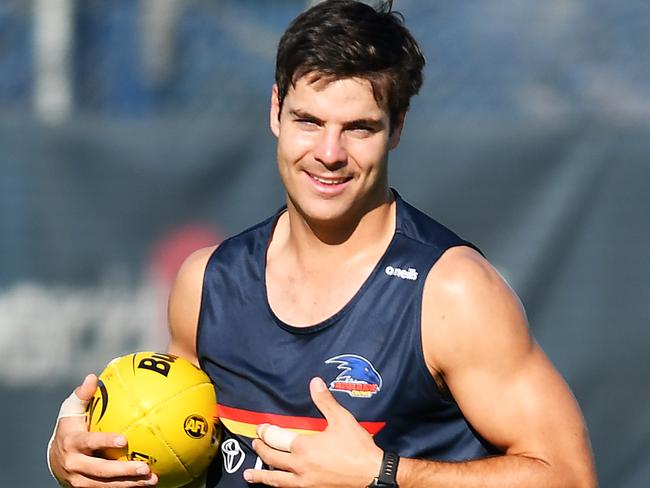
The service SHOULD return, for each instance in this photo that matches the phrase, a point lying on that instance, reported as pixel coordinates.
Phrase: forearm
(494, 472)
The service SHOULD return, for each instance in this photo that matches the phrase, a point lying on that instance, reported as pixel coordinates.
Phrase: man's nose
(330, 149)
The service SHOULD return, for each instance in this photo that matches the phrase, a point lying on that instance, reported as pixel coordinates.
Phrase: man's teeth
(329, 181)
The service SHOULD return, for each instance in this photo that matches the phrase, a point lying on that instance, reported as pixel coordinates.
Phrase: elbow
(580, 476)
(586, 481)
(573, 473)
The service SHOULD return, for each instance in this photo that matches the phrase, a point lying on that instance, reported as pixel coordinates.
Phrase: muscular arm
(184, 305)
(475, 336)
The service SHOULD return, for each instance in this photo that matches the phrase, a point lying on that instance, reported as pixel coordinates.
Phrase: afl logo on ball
(195, 426)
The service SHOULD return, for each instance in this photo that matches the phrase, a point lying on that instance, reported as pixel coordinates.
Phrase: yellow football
(165, 407)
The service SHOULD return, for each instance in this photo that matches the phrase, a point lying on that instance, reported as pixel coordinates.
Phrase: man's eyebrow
(301, 114)
(365, 122)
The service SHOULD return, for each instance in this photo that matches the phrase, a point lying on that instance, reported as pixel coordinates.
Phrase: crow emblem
(358, 377)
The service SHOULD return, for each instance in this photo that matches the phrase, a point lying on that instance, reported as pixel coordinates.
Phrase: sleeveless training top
(369, 353)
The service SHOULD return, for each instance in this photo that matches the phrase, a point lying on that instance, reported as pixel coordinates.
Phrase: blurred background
(134, 131)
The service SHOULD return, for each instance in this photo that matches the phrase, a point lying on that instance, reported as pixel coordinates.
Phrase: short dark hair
(338, 39)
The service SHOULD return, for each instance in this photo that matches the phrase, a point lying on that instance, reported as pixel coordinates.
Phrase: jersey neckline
(332, 319)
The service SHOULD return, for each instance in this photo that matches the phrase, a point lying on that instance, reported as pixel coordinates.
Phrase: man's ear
(396, 131)
(274, 115)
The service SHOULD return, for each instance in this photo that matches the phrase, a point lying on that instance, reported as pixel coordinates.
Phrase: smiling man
(352, 340)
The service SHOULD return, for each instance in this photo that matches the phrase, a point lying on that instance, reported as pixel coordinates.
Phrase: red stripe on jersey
(285, 421)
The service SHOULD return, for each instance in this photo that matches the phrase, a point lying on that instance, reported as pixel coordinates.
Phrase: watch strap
(387, 477)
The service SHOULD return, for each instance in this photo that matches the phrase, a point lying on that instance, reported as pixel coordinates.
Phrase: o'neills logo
(405, 274)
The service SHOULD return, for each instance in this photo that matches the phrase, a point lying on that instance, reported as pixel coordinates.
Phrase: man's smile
(329, 180)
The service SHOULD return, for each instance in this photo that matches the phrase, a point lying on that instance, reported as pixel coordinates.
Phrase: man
(431, 376)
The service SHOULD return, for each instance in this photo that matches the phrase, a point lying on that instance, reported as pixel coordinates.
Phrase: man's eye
(362, 130)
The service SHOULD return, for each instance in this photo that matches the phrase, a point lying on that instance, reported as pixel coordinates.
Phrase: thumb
(86, 390)
(326, 403)
(73, 408)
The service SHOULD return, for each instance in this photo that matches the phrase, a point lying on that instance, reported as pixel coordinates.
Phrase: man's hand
(71, 452)
(344, 454)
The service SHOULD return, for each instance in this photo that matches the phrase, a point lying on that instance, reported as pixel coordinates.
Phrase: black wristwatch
(387, 477)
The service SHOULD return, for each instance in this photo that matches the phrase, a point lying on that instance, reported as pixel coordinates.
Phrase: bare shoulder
(468, 308)
(189, 280)
(461, 271)
(184, 303)
(476, 338)
(196, 262)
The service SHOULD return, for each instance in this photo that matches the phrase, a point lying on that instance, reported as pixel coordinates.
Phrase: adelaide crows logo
(358, 378)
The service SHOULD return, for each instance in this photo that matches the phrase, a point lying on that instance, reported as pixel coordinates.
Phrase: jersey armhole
(199, 323)
(441, 390)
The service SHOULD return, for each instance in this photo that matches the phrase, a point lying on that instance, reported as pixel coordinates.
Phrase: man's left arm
(475, 337)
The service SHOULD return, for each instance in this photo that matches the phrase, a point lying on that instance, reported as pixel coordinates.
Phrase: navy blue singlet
(369, 353)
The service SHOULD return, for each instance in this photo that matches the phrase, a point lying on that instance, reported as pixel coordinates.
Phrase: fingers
(94, 441)
(276, 437)
(78, 468)
(270, 478)
(272, 457)
(82, 481)
(105, 469)
(71, 450)
(80, 445)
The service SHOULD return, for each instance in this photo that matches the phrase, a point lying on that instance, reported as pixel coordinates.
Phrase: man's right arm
(70, 452)
(185, 303)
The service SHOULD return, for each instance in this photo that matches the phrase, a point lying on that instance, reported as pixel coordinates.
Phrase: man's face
(333, 143)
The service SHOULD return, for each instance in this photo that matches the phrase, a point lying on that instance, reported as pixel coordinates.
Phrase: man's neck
(369, 232)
